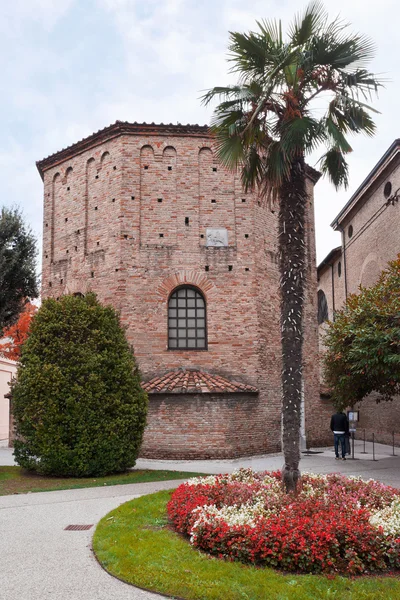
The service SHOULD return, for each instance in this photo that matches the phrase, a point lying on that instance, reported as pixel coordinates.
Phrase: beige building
(8, 369)
(370, 227)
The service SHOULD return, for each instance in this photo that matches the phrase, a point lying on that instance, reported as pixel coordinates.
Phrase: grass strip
(15, 480)
(135, 544)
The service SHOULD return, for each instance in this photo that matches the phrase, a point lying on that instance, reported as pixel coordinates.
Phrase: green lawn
(15, 480)
(135, 543)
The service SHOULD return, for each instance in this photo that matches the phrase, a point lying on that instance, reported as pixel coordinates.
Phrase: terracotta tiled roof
(120, 128)
(194, 382)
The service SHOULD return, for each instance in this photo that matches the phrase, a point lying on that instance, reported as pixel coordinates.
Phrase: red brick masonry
(126, 213)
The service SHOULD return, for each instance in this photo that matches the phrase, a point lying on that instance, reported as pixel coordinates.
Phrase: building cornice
(329, 259)
(379, 168)
(115, 130)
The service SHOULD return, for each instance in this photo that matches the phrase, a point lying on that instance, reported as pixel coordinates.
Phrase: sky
(72, 67)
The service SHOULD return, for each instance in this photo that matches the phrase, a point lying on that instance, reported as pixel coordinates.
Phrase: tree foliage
(16, 335)
(363, 343)
(18, 278)
(78, 406)
(294, 93)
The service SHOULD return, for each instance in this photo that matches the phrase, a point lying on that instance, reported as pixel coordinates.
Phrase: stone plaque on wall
(216, 236)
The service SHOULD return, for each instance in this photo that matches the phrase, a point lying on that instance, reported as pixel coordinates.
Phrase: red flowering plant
(334, 525)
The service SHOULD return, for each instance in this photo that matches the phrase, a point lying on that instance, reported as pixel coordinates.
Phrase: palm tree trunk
(293, 198)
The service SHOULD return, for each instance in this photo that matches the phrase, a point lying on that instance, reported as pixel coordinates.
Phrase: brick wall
(203, 426)
(137, 210)
(374, 241)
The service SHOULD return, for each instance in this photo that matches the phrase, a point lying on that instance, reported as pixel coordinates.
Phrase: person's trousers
(338, 438)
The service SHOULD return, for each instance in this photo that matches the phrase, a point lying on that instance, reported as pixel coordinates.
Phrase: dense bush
(334, 525)
(78, 406)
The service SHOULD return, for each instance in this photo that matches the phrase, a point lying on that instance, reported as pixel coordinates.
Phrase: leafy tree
(363, 343)
(78, 406)
(267, 124)
(18, 279)
(16, 334)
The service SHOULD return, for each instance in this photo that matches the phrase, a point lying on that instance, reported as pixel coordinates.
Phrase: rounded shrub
(78, 406)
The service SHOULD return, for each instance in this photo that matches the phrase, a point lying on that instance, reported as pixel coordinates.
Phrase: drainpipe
(333, 293)
(344, 259)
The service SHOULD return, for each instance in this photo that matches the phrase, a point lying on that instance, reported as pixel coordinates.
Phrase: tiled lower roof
(194, 382)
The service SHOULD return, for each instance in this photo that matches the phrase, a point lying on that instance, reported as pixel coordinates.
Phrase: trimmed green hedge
(78, 406)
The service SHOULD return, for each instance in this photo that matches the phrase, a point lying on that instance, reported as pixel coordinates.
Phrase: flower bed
(335, 524)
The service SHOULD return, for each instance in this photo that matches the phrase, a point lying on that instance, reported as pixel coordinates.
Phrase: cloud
(70, 68)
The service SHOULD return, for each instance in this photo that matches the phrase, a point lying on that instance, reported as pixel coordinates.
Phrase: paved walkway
(40, 560)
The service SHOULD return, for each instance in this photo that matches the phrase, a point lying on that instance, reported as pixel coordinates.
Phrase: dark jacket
(339, 422)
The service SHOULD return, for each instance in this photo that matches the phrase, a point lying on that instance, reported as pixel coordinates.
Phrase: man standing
(339, 426)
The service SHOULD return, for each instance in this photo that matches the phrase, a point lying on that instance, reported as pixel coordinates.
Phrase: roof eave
(330, 258)
(116, 129)
(371, 177)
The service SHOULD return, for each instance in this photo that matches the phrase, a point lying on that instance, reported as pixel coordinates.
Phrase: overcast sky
(72, 67)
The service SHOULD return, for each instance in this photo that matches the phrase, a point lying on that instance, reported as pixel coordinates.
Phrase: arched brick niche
(370, 271)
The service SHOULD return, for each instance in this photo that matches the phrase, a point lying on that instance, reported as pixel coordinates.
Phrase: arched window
(322, 307)
(187, 320)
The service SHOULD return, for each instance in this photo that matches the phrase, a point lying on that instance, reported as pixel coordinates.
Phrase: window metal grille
(187, 320)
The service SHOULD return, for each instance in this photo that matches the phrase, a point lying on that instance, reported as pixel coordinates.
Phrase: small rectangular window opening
(61, 280)
(247, 269)
(169, 168)
(161, 235)
(125, 236)
(95, 208)
(50, 284)
(159, 199)
(68, 188)
(67, 251)
(213, 201)
(66, 219)
(186, 220)
(243, 199)
(206, 268)
(146, 167)
(115, 168)
(92, 274)
(132, 197)
(215, 169)
(230, 267)
(202, 235)
(98, 243)
(96, 177)
(246, 235)
(76, 248)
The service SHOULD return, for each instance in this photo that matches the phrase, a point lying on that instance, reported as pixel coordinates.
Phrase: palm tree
(266, 125)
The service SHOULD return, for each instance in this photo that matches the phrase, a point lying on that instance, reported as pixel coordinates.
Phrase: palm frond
(336, 135)
(341, 51)
(307, 24)
(301, 135)
(229, 149)
(350, 117)
(333, 164)
(271, 30)
(252, 169)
